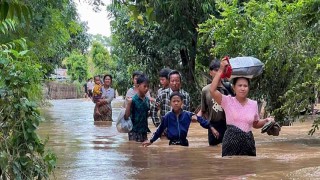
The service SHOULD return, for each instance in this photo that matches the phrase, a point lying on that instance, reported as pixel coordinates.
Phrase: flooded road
(86, 151)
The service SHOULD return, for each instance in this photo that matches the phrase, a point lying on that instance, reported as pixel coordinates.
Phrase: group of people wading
(227, 112)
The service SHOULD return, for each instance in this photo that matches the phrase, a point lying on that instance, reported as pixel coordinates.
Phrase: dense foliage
(282, 35)
(52, 29)
(35, 37)
(77, 65)
(150, 35)
(22, 152)
(186, 35)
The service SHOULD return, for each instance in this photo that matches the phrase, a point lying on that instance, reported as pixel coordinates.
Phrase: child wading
(177, 122)
(138, 107)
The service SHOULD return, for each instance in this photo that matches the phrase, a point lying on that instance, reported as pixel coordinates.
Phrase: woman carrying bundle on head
(241, 115)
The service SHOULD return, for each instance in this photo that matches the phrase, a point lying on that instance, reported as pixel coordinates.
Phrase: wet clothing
(242, 116)
(139, 137)
(213, 112)
(238, 138)
(183, 142)
(139, 115)
(105, 110)
(177, 127)
(156, 119)
(221, 127)
(163, 100)
(131, 92)
(238, 142)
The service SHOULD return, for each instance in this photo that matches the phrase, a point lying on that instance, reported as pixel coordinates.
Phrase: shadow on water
(87, 151)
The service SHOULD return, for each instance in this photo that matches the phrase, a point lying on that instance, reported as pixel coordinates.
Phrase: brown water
(86, 151)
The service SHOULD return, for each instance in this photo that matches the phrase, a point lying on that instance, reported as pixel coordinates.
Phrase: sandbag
(248, 67)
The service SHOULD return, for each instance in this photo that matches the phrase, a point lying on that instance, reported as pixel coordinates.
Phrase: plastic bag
(249, 67)
(123, 126)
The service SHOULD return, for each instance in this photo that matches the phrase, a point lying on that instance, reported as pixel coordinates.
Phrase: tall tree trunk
(188, 63)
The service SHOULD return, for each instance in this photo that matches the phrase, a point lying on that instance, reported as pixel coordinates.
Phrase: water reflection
(87, 151)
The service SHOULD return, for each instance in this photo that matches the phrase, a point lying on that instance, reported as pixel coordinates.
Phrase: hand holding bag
(123, 126)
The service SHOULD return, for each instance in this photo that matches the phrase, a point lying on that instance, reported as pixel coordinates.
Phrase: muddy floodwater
(87, 151)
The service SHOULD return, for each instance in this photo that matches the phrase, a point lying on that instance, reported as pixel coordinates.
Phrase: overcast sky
(98, 22)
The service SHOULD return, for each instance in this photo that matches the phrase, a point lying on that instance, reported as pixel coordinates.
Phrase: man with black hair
(134, 90)
(164, 82)
(163, 99)
(211, 110)
(138, 109)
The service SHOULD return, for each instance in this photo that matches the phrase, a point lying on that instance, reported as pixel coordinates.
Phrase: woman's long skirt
(238, 142)
(105, 113)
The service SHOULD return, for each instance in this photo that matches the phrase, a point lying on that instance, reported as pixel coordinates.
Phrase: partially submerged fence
(58, 90)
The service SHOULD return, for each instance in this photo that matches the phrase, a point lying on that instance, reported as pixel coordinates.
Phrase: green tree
(52, 28)
(104, 40)
(77, 66)
(283, 36)
(163, 31)
(101, 58)
(22, 152)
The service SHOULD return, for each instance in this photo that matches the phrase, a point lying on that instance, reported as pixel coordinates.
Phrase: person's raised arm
(217, 96)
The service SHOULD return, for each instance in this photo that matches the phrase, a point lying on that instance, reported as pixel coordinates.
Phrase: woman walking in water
(104, 104)
(241, 115)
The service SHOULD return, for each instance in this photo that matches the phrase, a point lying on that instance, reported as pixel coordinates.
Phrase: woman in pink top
(241, 115)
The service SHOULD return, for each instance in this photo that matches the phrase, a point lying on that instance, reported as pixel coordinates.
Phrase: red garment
(228, 71)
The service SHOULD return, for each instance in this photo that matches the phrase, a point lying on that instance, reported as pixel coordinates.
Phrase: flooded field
(87, 151)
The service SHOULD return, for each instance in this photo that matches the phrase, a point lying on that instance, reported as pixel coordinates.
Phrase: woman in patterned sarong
(108, 93)
(241, 115)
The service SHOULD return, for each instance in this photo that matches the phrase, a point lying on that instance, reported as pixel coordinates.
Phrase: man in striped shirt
(164, 82)
(163, 99)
